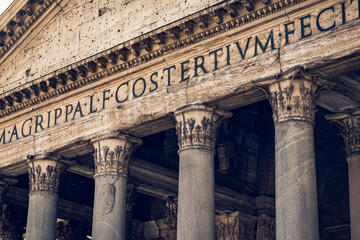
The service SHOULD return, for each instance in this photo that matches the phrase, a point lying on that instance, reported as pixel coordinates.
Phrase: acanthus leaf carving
(349, 124)
(293, 96)
(112, 153)
(171, 212)
(45, 171)
(197, 126)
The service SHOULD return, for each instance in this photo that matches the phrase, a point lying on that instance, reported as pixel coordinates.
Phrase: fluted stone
(111, 159)
(292, 100)
(349, 123)
(196, 129)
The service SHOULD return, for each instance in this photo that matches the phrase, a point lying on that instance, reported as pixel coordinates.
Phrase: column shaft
(349, 124)
(295, 181)
(196, 130)
(109, 219)
(292, 99)
(196, 211)
(45, 171)
(111, 158)
(42, 214)
(354, 194)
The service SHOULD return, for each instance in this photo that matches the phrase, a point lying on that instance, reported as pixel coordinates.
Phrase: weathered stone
(292, 100)
(196, 129)
(111, 159)
(45, 171)
(349, 123)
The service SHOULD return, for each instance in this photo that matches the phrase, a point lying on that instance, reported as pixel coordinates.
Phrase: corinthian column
(349, 123)
(196, 129)
(111, 160)
(292, 100)
(45, 171)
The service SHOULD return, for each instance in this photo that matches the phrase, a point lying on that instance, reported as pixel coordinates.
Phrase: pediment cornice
(21, 21)
(195, 28)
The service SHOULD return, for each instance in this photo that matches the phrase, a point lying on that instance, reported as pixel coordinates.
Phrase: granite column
(111, 159)
(349, 123)
(196, 129)
(45, 171)
(292, 100)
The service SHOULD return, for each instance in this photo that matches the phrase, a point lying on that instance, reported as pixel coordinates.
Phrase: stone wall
(85, 27)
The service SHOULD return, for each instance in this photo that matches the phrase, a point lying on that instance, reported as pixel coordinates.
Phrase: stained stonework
(292, 96)
(197, 126)
(45, 171)
(349, 124)
(112, 153)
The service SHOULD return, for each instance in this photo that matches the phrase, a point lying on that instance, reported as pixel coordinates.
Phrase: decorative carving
(130, 196)
(292, 96)
(45, 171)
(197, 126)
(234, 226)
(112, 153)
(265, 228)
(171, 213)
(238, 17)
(63, 231)
(349, 124)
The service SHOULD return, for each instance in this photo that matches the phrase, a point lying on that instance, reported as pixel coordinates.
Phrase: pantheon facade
(180, 119)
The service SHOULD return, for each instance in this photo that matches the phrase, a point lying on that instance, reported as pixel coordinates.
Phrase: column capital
(197, 126)
(130, 195)
(45, 171)
(113, 152)
(171, 207)
(349, 124)
(292, 96)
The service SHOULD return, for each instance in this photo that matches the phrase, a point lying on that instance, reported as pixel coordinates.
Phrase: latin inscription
(234, 53)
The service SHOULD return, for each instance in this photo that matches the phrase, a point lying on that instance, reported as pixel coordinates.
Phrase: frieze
(166, 76)
(198, 27)
(349, 124)
(113, 152)
(197, 126)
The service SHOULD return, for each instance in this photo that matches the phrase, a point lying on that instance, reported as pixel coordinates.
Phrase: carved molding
(130, 196)
(292, 96)
(45, 171)
(235, 226)
(193, 29)
(171, 212)
(349, 124)
(113, 152)
(197, 126)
